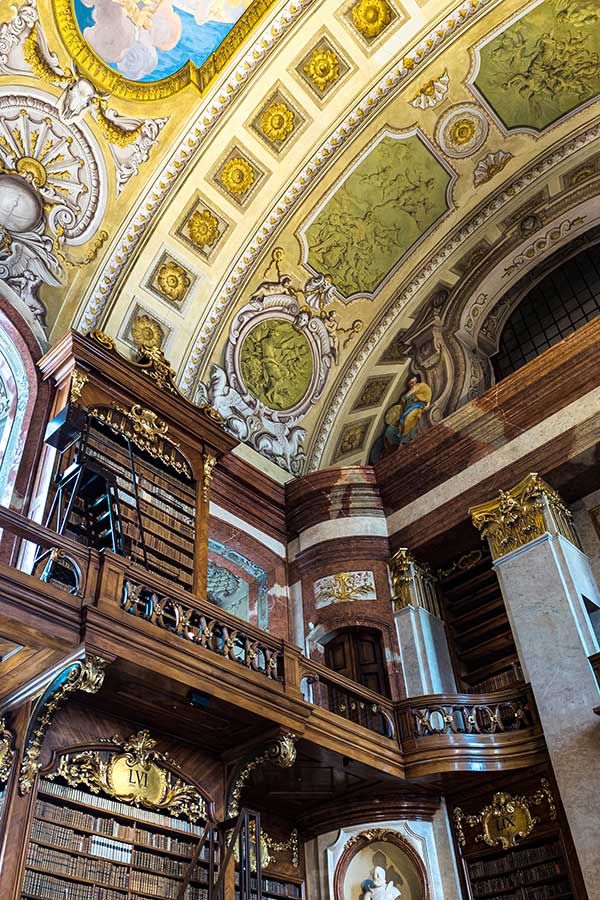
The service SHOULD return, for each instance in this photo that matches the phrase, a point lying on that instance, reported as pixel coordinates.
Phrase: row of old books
(47, 887)
(113, 806)
(167, 864)
(274, 886)
(523, 876)
(514, 860)
(82, 868)
(156, 885)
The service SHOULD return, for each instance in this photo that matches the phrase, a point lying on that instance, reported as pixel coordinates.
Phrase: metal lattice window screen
(562, 302)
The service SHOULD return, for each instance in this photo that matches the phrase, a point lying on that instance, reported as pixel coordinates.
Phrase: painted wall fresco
(402, 420)
(389, 200)
(232, 592)
(151, 39)
(543, 65)
(276, 363)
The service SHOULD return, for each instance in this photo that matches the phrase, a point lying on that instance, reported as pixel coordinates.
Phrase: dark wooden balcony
(154, 630)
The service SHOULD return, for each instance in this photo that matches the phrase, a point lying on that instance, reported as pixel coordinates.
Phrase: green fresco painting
(393, 196)
(276, 363)
(544, 65)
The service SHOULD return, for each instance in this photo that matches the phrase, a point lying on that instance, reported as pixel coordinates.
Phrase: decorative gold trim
(281, 752)
(281, 846)
(510, 817)
(413, 583)
(268, 844)
(7, 754)
(147, 432)
(110, 81)
(78, 380)
(521, 514)
(149, 784)
(83, 675)
(208, 463)
(372, 834)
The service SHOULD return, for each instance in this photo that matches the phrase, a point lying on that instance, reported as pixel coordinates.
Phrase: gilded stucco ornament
(323, 67)
(86, 675)
(432, 93)
(520, 515)
(507, 819)
(136, 775)
(7, 754)
(370, 17)
(490, 165)
(461, 130)
(237, 175)
(147, 332)
(129, 140)
(78, 381)
(208, 463)
(372, 834)
(277, 361)
(413, 583)
(277, 122)
(344, 587)
(172, 281)
(203, 228)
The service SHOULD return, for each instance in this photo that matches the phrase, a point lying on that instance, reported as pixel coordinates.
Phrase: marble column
(547, 586)
(424, 653)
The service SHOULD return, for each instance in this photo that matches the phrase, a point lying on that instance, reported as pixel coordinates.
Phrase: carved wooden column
(545, 581)
(421, 632)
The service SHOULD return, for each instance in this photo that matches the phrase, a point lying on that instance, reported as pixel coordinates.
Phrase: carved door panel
(358, 654)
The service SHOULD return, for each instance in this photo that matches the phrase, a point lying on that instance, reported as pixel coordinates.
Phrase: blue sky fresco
(134, 52)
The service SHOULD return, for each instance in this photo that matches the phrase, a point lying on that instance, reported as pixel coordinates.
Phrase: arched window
(562, 302)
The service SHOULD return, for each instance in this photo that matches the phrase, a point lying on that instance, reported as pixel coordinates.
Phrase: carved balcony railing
(205, 626)
(124, 611)
(502, 711)
(344, 697)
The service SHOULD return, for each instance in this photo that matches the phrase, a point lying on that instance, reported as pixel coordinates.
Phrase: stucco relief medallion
(461, 130)
(278, 355)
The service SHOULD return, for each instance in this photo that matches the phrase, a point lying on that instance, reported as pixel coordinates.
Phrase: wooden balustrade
(346, 698)
(253, 669)
(509, 709)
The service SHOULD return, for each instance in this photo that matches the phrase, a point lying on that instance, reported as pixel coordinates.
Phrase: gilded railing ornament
(208, 463)
(7, 754)
(413, 583)
(507, 819)
(85, 675)
(136, 776)
(521, 514)
(78, 381)
(281, 752)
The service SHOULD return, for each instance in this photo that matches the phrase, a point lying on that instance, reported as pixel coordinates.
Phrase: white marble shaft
(543, 583)
(424, 652)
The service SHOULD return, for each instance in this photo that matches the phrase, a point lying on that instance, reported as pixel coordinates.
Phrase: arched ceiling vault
(349, 199)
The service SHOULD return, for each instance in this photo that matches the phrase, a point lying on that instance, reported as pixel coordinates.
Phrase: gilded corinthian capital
(413, 583)
(522, 514)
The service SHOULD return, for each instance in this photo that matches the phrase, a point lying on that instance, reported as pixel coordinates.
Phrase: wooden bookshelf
(277, 888)
(86, 847)
(535, 870)
(479, 632)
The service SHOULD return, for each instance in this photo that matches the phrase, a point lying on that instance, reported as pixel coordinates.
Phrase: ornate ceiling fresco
(305, 202)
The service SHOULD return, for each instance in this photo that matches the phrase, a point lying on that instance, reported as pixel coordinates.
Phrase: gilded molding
(136, 776)
(86, 675)
(281, 752)
(507, 819)
(7, 754)
(413, 583)
(520, 515)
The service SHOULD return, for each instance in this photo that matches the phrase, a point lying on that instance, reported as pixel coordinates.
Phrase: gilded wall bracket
(280, 752)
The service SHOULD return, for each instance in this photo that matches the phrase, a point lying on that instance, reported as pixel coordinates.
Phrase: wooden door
(357, 653)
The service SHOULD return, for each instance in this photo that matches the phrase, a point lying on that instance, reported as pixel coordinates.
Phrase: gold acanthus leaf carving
(281, 752)
(208, 463)
(507, 819)
(520, 515)
(7, 754)
(372, 834)
(78, 381)
(150, 784)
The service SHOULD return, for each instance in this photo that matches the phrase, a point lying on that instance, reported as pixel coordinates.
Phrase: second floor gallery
(299, 450)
